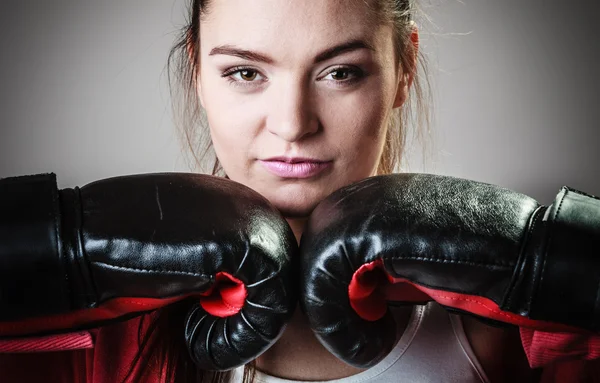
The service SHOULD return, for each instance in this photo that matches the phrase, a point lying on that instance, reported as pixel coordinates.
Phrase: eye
(247, 74)
(340, 74)
(243, 76)
(343, 75)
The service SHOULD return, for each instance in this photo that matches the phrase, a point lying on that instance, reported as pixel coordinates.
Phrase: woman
(300, 99)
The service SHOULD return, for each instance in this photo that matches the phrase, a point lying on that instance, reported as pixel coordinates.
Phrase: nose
(293, 116)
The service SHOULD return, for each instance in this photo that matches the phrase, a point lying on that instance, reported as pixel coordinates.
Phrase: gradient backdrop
(516, 88)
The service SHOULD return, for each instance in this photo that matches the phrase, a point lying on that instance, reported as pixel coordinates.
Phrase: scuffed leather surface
(167, 235)
(444, 233)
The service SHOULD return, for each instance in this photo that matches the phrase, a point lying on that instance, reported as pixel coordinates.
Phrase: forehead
(284, 26)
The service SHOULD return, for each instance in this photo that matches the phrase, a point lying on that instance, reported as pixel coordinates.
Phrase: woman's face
(297, 95)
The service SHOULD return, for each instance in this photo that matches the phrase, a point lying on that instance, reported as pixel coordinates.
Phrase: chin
(295, 201)
(294, 209)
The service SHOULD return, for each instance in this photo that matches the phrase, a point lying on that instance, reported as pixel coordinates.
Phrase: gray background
(84, 91)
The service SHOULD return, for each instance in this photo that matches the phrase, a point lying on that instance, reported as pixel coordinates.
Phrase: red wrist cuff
(60, 342)
(543, 348)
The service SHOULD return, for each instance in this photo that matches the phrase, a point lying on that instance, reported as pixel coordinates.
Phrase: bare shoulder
(499, 351)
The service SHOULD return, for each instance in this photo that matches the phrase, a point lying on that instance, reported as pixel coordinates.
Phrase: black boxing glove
(472, 247)
(78, 258)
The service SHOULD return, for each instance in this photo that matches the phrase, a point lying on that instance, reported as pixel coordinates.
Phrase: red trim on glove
(562, 347)
(226, 297)
(371, 287)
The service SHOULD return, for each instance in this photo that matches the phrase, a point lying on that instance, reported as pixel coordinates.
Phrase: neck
(297, 225)
(298, 355)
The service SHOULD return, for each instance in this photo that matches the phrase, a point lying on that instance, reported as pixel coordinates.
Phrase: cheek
(233, 128)
(358, 128)
(231, 143)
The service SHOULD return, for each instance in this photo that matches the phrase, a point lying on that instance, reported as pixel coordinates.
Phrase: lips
(294, 167)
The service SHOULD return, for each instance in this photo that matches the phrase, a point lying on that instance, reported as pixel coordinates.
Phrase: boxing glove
(78, 258)
(473, 247)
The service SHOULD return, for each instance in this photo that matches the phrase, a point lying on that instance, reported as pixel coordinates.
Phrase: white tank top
(433, 348)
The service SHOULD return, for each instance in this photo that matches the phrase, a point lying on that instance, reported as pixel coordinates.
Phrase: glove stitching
(582, 193)
(208, 343)
(347, 256)
(151, 270)
(268, 278)
(246, 255)
(254, 328)
(232, 308)
(470, 263)
(192, 334)
(490, 309)
(274, 310)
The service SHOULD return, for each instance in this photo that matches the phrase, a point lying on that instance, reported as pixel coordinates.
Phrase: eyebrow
(327, 54)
